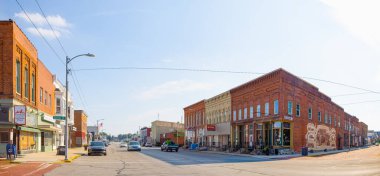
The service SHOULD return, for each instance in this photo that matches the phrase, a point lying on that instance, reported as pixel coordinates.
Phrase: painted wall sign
(20, 114)
(320, 137)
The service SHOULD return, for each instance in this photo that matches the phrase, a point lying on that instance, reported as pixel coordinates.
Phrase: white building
(60, 101)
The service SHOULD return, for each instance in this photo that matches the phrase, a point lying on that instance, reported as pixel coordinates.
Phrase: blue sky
(337, 40)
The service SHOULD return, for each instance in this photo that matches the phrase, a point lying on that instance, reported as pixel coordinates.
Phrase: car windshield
(97, 144)
(134, 143)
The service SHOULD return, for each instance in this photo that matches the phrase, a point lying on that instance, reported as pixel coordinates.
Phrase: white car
(134, 146)
(148, 144)
(122, 145)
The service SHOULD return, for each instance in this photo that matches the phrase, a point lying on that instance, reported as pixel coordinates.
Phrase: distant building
(92, 132)
(162, 127)
(79, 135)
(144, 134)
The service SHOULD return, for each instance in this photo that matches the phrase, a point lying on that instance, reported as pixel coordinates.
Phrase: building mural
(320, 137)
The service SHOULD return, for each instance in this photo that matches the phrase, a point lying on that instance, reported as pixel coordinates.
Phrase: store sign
(48, 118)
(20, 114)
(288, 117)
(211, 128)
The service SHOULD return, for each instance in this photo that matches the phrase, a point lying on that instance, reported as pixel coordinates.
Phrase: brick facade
(79, 137)
(195, 122)
(281, 111)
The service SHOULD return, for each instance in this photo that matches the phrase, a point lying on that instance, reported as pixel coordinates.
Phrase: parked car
(97, 147)
(148, 144)
(134, 146)
(123, 144)
(169, 146)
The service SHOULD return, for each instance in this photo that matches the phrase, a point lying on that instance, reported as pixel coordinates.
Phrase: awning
(28, 129)
(48, 128)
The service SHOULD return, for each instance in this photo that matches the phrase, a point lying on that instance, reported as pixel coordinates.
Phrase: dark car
(169, 146)
(97, 147)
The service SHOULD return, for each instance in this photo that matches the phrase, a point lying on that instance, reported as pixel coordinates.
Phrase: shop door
(42, 141)
(241, 135)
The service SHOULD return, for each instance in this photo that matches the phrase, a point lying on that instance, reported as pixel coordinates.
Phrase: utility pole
(68, 60)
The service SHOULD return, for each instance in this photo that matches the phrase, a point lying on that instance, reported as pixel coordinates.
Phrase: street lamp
(68, 60)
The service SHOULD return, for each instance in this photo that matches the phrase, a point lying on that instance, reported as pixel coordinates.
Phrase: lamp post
(68, 60)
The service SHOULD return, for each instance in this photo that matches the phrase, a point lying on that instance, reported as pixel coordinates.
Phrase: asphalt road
(154, 162)
(185, 157)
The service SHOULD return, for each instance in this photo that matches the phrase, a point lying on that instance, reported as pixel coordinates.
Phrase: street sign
(211, 127)
(59, 117)
(20, 114)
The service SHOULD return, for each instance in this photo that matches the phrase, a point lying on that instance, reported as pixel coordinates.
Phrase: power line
(80, 96)
(55, 52)
(75, 79)
(166, 68)
(215, 71)
(360, 102)
(343, 95)
(342, 84)
(55, 35)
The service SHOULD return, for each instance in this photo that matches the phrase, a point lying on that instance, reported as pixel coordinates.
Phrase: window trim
(275, 107)
(290, 107)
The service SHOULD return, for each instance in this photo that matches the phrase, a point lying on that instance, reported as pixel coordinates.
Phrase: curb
(253, 156)
(69, 160)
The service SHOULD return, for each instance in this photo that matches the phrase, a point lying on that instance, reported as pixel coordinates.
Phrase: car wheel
(162, 149)
(105, 154)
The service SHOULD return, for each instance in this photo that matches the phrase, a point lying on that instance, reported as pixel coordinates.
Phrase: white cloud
(360, 18)
(174, 87)
(58, 23)
(45, 32)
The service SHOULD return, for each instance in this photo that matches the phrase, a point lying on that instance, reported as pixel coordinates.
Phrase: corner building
(281, 111)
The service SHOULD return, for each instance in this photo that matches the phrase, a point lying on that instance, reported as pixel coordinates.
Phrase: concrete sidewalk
(281, 157)
(273, 157)
(50, 157)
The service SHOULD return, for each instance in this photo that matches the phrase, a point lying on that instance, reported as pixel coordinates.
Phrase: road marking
(6, 167)
(41, 167)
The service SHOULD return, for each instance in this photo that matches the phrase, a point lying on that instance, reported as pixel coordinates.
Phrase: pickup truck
(169, 146)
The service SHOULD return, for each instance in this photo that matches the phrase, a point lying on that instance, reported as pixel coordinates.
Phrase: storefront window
(27, 140)
(259, 135)
(277, 133)
(4, 114)
(286, 133)
(4, 136)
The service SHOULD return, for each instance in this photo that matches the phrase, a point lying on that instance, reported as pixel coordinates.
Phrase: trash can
(305, 151)
(61, 150)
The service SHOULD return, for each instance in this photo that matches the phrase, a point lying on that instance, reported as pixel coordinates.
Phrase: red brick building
(281, 111)
(195, 123)
(79, 135)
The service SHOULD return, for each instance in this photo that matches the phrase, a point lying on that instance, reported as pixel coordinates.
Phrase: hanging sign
(20, 114)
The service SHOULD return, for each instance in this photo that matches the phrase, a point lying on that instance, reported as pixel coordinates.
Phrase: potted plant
(85, 146)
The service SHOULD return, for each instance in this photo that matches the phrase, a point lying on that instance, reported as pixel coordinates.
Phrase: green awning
(28, 129)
